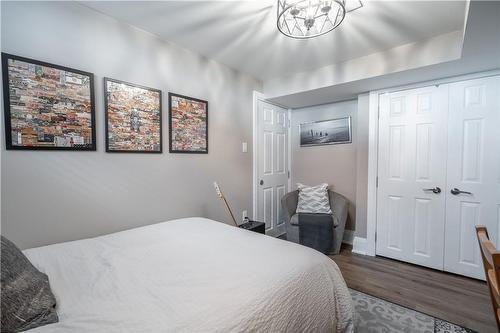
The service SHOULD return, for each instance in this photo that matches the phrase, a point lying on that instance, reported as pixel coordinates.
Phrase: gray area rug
(375, 315)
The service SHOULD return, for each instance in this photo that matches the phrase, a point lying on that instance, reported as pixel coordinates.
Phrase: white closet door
(412, 162)
(473, 166)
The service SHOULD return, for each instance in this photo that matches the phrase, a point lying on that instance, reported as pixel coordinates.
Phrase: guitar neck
(226, 205)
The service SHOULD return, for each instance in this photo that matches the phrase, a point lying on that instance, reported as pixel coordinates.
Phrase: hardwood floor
(454, 298)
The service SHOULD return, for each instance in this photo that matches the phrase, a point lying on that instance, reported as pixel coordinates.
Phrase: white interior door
(272, 165)
(473, 166)
(412, 175)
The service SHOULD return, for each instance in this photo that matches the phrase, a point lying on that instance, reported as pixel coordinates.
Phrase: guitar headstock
(217, 189)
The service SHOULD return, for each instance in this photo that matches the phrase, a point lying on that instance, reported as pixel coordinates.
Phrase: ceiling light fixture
(304, 19)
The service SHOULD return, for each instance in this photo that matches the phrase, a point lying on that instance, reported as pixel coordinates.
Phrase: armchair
(339, 205)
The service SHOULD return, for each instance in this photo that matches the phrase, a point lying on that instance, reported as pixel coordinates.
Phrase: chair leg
(338, 236)
(336, 247)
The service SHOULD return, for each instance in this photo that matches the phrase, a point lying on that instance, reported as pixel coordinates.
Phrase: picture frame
(136, 111)
(188, 124)
(47, 106)
(326, 132)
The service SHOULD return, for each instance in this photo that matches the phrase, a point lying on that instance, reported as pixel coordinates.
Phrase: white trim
(348, 237)
(256, 97)
(289, 149)
(360, 246)
(368, 244)
(371, 206)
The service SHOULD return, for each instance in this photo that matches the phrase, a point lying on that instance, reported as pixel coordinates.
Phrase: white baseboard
(360, 246)
(348, 237)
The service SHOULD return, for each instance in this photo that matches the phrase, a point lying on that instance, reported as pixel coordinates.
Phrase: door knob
(435, 190)
(456, 191)
(261, 182)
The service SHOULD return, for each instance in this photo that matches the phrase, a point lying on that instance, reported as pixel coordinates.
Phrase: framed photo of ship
(326, 132)
(133, 118)
(47, 106)
(188, 124)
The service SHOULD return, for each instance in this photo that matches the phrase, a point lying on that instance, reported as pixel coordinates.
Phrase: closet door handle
(456, 191)
(435, 190)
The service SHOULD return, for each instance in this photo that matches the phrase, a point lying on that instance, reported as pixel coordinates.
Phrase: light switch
(244, 147)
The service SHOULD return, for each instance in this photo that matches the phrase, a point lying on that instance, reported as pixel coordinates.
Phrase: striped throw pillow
(313, 199)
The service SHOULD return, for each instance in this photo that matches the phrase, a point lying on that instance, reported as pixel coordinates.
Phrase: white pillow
(313, 199)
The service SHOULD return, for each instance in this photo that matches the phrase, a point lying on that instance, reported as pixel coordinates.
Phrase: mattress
(192, 275)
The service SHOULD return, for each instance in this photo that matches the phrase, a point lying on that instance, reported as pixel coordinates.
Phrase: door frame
(258, 96)
(367, 246)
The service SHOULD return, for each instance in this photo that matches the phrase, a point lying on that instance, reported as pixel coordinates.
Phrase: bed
(192, 275)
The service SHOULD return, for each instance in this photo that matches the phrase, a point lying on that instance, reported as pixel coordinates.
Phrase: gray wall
(51, 197)
(362, 164)
(345, 166)
(332, 164)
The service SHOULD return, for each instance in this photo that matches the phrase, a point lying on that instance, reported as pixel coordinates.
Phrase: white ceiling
(479, 53)
(243, 34)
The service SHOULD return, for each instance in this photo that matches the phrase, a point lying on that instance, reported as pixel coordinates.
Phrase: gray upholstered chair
(339, 205)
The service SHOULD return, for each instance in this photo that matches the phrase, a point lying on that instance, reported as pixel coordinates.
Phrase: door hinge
(288, 174)
(376, 182)
(375, 236)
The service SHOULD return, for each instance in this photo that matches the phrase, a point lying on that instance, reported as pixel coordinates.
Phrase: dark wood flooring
(454, 298)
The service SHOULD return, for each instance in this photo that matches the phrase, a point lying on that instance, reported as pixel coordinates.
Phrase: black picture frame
(7, 105)
(106, 119)
(326, 132)
(171, 150)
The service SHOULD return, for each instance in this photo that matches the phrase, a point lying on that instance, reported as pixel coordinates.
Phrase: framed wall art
(47, 106)
(326, 132)
(133, 118)
(188, 124)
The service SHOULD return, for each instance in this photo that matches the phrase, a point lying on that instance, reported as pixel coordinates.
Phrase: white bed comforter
(192, 275)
